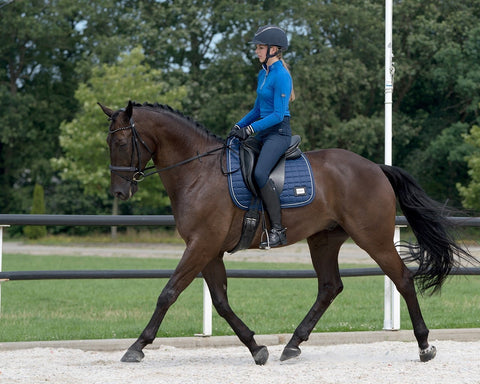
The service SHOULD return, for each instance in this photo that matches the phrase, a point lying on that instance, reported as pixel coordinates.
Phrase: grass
(125, 235)
(96, 309)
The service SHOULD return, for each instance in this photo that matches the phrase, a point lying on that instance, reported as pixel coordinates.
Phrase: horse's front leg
(324, 248)
(188, 268)
(215, 276)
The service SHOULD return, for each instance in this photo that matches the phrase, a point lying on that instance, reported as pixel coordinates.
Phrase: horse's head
(128, 152)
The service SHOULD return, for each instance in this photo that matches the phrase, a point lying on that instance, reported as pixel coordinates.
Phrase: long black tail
(437, 252)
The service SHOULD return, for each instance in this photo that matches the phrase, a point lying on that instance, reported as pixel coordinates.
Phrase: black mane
(166, 108)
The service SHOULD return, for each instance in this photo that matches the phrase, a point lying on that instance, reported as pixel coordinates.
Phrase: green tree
(336, 58)
(337, 69)
(337, 63)
(85, 156)
(38, 208)
(203, 45)
(470, 192)
(437, 89)
(35, 80)
(44, 44)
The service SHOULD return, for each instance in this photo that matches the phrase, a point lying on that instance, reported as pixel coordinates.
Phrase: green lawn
(95, 309)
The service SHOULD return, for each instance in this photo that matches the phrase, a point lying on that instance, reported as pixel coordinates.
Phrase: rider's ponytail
(292, 95)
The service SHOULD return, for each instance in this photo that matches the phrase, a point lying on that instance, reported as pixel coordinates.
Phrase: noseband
(139, 174)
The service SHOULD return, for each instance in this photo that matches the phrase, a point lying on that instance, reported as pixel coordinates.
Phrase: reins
(198, 156)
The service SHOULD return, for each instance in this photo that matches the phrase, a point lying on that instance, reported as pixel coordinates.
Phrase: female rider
(269, 120)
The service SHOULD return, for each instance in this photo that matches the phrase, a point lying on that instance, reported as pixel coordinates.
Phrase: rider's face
(261, 52)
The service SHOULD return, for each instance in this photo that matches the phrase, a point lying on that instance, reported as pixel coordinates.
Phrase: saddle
(249, 151)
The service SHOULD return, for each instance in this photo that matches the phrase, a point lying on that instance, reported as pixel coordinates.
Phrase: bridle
(138, 173)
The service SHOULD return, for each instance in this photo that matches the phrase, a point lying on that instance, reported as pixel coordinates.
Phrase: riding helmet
(271, 35)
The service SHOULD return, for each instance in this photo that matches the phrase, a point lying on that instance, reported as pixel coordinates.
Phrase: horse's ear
(106, 110)
(129, 109)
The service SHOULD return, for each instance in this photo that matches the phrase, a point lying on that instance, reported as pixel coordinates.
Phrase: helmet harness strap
(269, 55)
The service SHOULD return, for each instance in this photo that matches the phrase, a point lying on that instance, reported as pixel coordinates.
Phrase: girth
(249, 151)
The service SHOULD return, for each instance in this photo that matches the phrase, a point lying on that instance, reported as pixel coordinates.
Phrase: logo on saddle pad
(292, 176)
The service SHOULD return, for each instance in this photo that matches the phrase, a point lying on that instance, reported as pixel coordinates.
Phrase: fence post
(1, 257)
(391, 314)
(207, 311)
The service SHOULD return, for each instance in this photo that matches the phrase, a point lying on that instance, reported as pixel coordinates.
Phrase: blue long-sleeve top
(273, 94)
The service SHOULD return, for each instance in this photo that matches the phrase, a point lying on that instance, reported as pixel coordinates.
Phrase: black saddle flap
(249, 150)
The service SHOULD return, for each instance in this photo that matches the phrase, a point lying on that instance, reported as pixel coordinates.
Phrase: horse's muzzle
(124, 191)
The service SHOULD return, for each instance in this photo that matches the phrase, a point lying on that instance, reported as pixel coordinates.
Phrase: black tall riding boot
(271, 200)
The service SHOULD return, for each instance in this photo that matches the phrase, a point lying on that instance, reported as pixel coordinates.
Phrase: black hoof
(260, 356)
(132, 356)
(290, 353)
(428, 353)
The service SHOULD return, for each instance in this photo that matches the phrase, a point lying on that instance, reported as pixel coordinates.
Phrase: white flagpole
(388, 80)
(391, 320)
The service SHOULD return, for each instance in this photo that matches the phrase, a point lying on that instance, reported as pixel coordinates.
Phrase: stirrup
(274, 238)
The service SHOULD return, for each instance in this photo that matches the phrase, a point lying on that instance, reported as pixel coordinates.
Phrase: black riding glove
(242, 133)
(235, 128)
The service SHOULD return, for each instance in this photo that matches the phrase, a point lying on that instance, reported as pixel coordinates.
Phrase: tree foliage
(47, 48)
(58, 58)
(85, 156)
(35, 79)
(435, 86)
(38, 208)
(471, 191)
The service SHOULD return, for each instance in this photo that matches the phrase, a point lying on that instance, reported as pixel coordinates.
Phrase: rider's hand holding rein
(241, 133)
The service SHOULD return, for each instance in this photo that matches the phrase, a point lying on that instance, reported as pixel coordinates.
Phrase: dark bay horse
(354, 197)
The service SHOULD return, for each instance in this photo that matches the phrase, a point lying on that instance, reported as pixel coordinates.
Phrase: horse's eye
(121, 144)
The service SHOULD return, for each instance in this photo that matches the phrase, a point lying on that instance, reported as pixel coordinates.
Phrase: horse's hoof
(132, 356)
(428, 353)
(290, 353)
(261, 356)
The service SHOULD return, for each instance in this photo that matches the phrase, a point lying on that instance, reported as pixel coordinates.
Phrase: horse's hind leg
(403, 280)
(215, 276)
(324, 248)
(386, 256)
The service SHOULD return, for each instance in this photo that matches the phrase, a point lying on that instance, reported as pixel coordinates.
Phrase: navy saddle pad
(298, 190)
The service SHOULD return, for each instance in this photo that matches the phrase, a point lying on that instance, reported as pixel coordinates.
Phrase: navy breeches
(275, 141)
